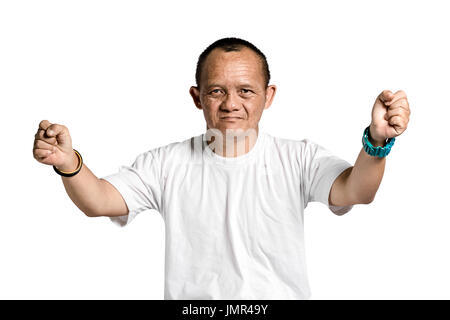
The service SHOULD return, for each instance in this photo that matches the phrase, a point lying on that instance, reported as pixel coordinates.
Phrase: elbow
(367, 200)
(90, 214)
(363, 198)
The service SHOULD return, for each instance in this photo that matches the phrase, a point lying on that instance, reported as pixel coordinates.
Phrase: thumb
(60, 132)
(386, 96)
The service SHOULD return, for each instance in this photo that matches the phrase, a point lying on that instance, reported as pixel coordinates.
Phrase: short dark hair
(231, 44)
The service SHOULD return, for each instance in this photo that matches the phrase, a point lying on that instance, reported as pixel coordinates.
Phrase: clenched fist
(390, 115)
(53, 146)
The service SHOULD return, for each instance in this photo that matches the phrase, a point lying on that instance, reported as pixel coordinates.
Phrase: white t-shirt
(233, 226)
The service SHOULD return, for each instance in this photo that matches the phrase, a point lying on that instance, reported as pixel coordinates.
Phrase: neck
(231, 143)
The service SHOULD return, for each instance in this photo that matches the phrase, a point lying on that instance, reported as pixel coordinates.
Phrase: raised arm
(94, 197)
(359, 184)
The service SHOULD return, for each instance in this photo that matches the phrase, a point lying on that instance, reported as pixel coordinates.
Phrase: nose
(230, 103)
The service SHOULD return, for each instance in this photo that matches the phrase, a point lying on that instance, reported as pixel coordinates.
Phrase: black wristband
(71, 174)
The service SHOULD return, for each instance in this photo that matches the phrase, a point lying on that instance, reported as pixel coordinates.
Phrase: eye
(246, 91)
(215, 91)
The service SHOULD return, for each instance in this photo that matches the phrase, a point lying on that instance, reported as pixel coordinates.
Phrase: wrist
(376, 151)
(71, 165)
(375, 142)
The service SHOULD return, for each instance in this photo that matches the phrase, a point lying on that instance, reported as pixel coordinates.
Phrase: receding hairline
(228, 45)
(229, 49)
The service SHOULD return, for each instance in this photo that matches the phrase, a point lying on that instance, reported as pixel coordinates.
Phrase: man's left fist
(390, 116)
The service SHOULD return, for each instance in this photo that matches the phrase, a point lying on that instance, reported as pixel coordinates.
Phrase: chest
(202, 191)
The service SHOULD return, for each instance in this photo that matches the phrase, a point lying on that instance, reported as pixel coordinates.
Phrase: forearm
(84, 188)
(390, 117)
(366, 175)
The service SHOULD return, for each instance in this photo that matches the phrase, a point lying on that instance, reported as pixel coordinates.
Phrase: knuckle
(40, 144)
(394, 119)
(58, 127)
(401, 111)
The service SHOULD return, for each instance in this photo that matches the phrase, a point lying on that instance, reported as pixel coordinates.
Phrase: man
(232, 199)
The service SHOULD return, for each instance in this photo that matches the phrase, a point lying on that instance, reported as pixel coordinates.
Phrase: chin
(232, 126)
(237, 130)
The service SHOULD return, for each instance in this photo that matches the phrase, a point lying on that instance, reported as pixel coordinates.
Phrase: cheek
(210, 108)
(255, 109)
(212, 105)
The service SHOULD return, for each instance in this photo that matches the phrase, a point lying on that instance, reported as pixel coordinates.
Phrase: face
(232, 92)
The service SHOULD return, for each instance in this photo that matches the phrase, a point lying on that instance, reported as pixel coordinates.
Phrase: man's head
(232, 85)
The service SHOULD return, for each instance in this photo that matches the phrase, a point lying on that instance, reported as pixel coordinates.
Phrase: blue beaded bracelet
(376, 151)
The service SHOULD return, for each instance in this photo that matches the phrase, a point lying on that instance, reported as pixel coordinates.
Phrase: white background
(117, 74)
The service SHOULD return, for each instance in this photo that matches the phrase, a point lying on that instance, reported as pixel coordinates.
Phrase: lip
(230, 118)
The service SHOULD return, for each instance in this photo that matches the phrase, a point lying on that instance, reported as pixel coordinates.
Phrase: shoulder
(300, 150)
(286, 145)
(178, 151)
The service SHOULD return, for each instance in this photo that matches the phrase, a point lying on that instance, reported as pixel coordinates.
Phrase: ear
(195, 94)
(270, 94)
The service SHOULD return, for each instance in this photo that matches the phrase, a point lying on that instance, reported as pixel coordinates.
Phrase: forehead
(233, 65)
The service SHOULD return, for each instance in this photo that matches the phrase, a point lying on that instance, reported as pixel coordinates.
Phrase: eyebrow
(242, 84)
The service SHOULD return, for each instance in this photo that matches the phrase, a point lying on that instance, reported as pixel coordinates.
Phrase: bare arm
(360, 183)
(95, 197)
(390, 117)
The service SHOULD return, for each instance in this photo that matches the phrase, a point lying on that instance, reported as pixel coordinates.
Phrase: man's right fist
(53, 146)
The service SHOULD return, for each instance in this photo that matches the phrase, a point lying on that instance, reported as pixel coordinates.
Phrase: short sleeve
(139, 185)
(320, 171)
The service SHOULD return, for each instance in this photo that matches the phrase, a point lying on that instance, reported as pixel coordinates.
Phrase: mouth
(230, 118)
